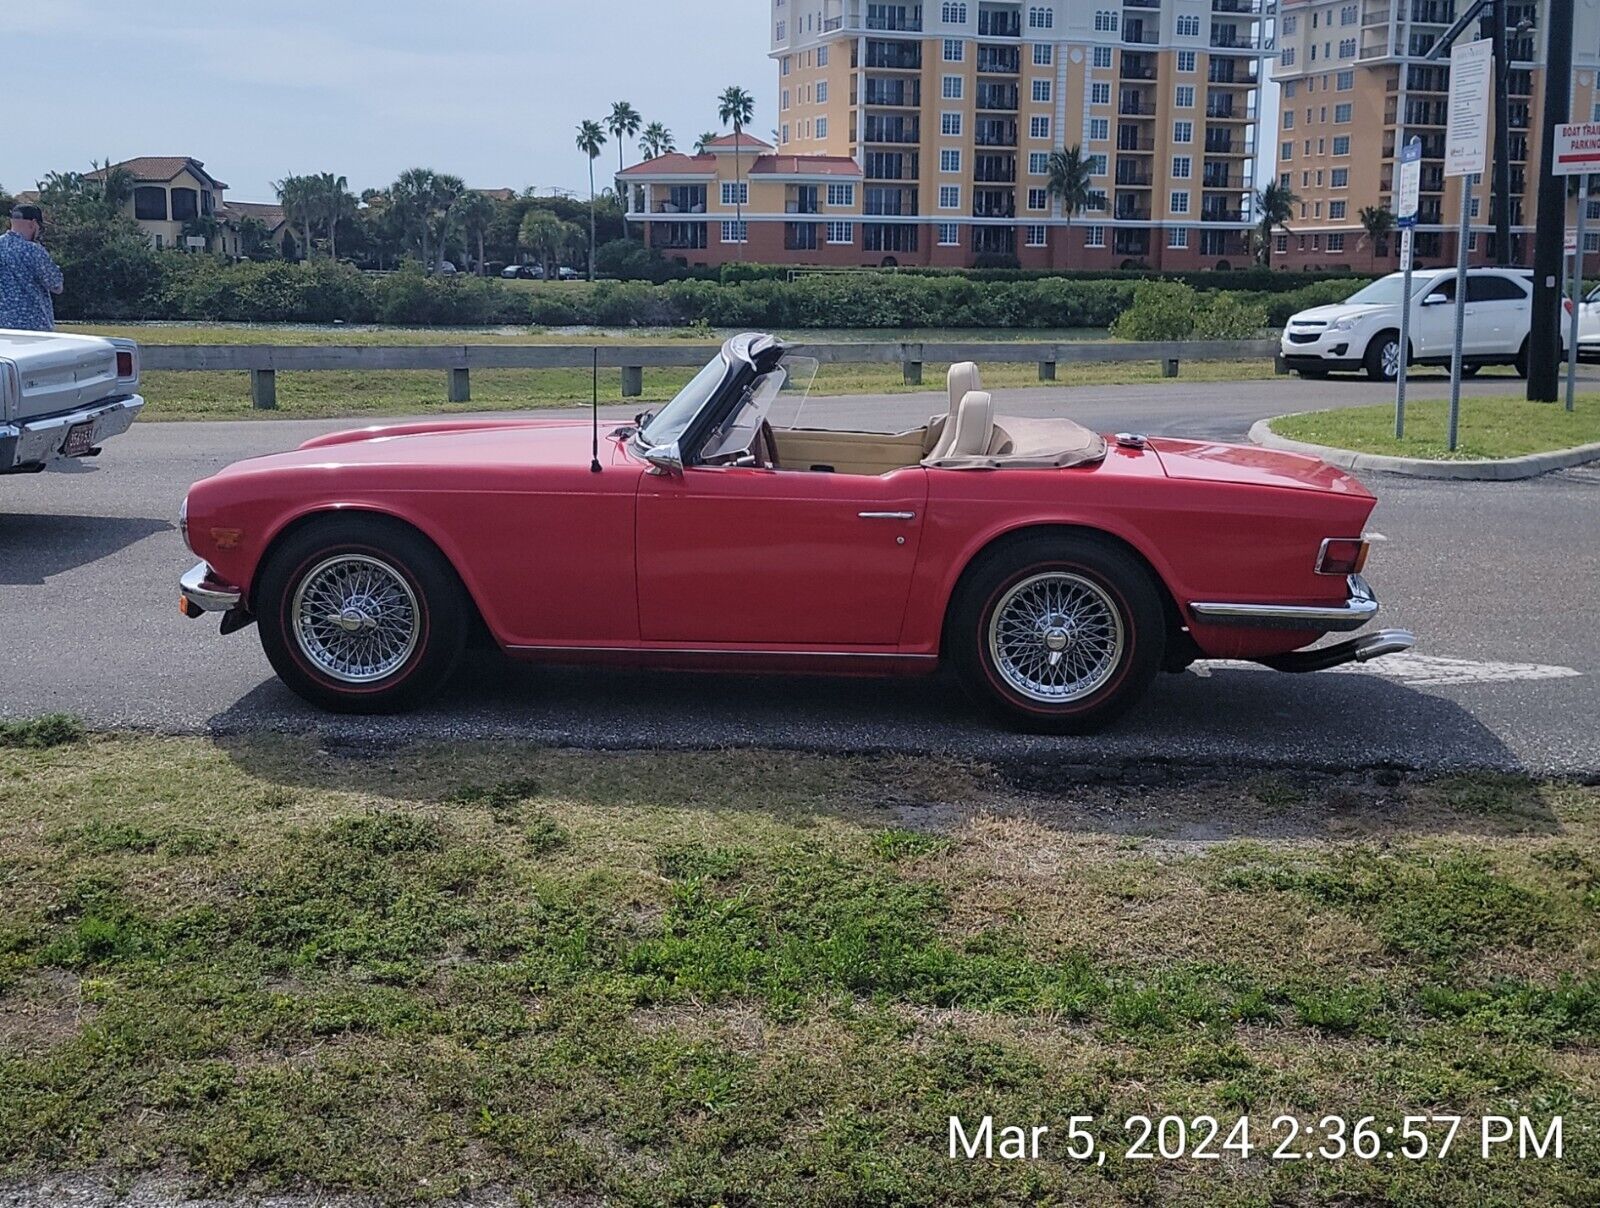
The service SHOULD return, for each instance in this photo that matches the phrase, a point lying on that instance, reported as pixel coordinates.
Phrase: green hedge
(201, 289)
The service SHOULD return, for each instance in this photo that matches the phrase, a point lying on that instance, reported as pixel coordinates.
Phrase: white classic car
(62, 395)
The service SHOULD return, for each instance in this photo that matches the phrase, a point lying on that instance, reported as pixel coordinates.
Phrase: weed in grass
(543, 834)
(895, 844)
(504, 801)
(41, 733)
(1342, 1009)
(1275, 792)
(695, 862)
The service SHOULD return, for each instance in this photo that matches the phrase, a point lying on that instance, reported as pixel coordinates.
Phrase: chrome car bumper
(36, 444)
(203, 592)
(1355, 612)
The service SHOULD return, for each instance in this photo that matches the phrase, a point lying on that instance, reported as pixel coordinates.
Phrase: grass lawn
(337, 394)
(1489, 427)
(751, 977)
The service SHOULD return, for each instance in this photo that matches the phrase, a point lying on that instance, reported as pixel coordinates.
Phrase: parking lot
(1497, 580)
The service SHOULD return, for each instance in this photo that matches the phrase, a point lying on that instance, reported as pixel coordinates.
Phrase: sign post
(1466, 147)
(1577, 154)
(1407, 196)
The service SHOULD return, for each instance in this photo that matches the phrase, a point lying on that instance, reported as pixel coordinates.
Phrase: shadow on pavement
(33, 547)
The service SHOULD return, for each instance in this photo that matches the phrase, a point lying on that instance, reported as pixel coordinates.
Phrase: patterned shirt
(27, 279)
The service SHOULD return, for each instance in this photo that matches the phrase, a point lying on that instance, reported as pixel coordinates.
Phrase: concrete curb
(1503, 469)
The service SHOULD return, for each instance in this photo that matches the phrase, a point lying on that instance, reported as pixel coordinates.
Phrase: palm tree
(298, 197)
(1070, 182)
(447, 191)
(546, 236)
(333, 203)
(657, 140)
(1274, 207)
(703, 143)
(623, 123)
(475, 211)
(590, 139)
(1377, 222)
(737, 106)
(411, 200)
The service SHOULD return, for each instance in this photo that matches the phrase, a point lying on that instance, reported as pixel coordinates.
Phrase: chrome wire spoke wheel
(1056, 637)
(355, 618)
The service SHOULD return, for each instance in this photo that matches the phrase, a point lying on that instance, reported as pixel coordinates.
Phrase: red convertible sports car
(1057, 571)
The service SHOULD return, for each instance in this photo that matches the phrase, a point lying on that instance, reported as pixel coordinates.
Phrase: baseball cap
(27, 213)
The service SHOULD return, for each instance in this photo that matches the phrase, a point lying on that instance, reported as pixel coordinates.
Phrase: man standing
(27, 274)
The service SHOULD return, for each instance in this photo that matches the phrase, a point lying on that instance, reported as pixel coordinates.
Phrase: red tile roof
(674, 163)
(159, 169)
(268, 213)
(747, 141)
(805, 165)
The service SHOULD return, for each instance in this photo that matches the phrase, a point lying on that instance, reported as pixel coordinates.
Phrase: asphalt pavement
(1498, 580)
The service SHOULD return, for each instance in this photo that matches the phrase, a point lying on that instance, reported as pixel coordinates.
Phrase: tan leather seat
(961, 381)
(973, 430)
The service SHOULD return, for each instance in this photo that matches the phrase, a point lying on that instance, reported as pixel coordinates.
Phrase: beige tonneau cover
(1019, 443)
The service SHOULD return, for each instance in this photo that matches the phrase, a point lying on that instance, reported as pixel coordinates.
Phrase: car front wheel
(1058, 635)
(361, 615)
(1383, 356)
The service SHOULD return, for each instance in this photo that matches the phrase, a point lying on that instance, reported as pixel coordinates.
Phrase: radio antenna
(594, 415)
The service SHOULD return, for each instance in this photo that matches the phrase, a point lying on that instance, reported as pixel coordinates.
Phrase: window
(1105, 21)
(150, 203)
(1043, 54)
(1288, 56)
(1281, 243)
(1285, 151)
(1037, 236)
(1038, 127)
(1336, 209)
(1341, 144)
(954, 14)
(1041, 91)
(782, 31)
(1341, 113)
(783, 65)
(1038, 163)
(1340, 178)
(1097, 164)
(735, 232)
(949, 160)
(1178, 202)
(822, 93)
(950, 124)
(1185, 60)
(1100, 94)
(1345, 81)
(785, 137)
(736, 194)
(1336, 243)
(1188, 25)
(1347, 48)
(1288, 119)
(1291, 23)
(841, 195)
(783, 99)
(1182, 166)
(1347, 14)
(1472, 208)
(822, 56)
(955, 50)
(1183, 96)
(1290, 87)
(841, 232)
(1038, 199)
(1099, 128)
(1183, 132)
(1094, 236)
(949, 234)
(1041, 18)
(822, 127)
(1102, 56)
(1178, 237)
(949, 197)
(951, 88)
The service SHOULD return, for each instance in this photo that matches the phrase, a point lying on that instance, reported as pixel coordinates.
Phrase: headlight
(183, 523)
(1345, 324)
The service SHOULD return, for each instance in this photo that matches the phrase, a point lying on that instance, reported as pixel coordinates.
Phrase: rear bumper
(1359, 608)
(38, 443)
(202, 591)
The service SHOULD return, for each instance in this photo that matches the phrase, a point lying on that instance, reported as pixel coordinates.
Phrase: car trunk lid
(55, 373)
(1209, 461)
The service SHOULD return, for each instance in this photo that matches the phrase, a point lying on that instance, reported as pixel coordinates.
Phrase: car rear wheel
(1383, 356)
(361, 615)
(1058, 635)
(1522, 359)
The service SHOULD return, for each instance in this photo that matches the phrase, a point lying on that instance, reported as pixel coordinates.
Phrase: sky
(491, 90)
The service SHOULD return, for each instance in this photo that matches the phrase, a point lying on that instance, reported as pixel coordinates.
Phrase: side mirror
(1435, 300)
(666, 461)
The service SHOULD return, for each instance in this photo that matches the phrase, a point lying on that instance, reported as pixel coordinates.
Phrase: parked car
(1056, 570)
(522, 272)
(62, 396)
(568, 274)
(1363, 331)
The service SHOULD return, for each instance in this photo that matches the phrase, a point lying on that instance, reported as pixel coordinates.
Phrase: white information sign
(1466, 136)
(1577, 149)
(1408, 194)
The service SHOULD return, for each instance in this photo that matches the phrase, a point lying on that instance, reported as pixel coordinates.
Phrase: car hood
(1249, 465)
(1340, 310)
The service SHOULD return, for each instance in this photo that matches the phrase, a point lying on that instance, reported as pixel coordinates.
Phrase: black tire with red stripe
(441, 617)
(1115, 581)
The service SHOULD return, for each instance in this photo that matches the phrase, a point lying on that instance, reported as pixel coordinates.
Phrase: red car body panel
(766, 568)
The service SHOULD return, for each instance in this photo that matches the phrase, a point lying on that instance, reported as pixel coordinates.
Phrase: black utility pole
(1501, 194)
(1544, 343)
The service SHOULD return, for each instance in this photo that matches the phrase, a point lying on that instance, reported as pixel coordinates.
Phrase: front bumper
(1359, 608)
(201, 591)
(1326, 350)
(37, 444)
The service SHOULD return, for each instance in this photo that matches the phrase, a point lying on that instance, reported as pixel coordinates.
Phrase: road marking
(1422, 670)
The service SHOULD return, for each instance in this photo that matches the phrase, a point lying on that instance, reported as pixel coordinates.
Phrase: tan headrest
(974, 425)
(962, 380)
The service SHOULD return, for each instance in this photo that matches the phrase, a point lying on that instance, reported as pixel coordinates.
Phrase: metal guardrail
(264, 361)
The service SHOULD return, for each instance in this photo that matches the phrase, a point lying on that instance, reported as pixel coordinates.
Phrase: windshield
(781, 390)
(1387, 291)
(673, 420)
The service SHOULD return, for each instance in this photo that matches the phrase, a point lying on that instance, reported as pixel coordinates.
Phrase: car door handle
(887, 515)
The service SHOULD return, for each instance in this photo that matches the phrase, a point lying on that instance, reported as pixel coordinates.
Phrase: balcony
(994, 203)
(1232, 71)
(894, 94)
(1131, 243)
(997, 96)
(678, 236)
(1137, 35)
(999, 60)
(878, 129)
(1137, 175)
(681, 199)
(994, 169)
(1222, 179)
(1128, 211)
(994, 133)
(898, 18)
(1137, 67)
(800, 236)
(890, 203)
(1136, 106)
(1221, 214)
(999, 23)
(1229, 38)
(1137, 144)
(894, 56)
(801, 199)
(1243, 7)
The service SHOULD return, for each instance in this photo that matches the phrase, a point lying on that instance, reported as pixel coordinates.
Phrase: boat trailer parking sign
(1577, 149)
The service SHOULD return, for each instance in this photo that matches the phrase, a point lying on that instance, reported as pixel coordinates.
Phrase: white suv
(1363, 331)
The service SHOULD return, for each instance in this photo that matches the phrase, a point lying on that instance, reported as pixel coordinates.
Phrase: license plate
(80, 439)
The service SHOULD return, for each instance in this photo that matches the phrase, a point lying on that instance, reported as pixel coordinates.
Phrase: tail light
(1566, 305)
(1342, 556)
(124, 364)
(127, 360)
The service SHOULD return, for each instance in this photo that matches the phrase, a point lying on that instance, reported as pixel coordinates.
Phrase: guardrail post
(264, 389)
(460, 386)
(632, 381)
(1169, 367)
(1047, 371)
(911, 363)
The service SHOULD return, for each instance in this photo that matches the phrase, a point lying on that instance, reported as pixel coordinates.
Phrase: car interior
(968, 436)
